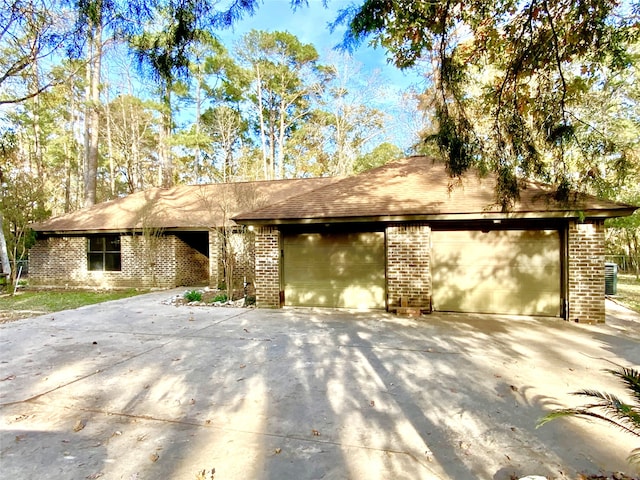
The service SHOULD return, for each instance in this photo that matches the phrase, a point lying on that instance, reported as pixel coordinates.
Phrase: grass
(629, 291)
(29, 303)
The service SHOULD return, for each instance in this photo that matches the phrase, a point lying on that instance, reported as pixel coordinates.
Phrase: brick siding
(62, 261)
(586, 272)
(59, 261)
(243, 262)
(216, 274)
(408, 265)
(164, 261)
(267, 267)
(192, 267)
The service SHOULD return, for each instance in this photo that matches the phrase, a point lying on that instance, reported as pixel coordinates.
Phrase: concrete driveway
(137, 389)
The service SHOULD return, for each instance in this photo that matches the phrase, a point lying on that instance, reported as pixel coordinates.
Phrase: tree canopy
(509, 79)
(531, 89)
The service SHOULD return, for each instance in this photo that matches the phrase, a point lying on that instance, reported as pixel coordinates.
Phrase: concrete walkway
(137, 389)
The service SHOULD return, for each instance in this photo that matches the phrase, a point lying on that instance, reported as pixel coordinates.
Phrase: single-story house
(162, 237)
(408, 235)
(405, 235)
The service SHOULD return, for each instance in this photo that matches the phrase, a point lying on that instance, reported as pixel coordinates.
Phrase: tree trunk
(266, 170)
(281, 138)
(197, 152)
(112, 167)
(92, 114)
(166, 160)
(37, 129)
(4, 254)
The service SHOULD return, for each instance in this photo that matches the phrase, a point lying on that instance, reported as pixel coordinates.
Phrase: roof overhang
(438, 217)
(131, 231)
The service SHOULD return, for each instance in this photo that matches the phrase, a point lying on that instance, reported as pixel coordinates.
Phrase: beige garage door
(343, 270)
(508, 271)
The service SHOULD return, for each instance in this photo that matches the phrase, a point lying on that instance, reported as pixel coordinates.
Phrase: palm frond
(584, 412)
(626, 414)
(631, 378)
(609, 408)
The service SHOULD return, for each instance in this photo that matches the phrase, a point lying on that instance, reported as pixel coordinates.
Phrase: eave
(438, 217)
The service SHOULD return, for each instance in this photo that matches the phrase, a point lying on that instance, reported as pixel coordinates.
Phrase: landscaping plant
(609, 408)
(222, 297)
(193, 296)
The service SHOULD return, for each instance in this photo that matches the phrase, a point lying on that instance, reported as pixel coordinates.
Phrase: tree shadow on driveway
(168, 391)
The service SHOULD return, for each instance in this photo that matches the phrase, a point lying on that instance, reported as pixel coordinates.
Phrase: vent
(610, 279)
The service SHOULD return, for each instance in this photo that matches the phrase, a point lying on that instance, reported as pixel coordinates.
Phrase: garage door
(345, 270)
(506, 271)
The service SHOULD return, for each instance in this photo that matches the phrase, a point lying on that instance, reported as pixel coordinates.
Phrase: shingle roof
(183, 207)
(420, 188)
(413, 188)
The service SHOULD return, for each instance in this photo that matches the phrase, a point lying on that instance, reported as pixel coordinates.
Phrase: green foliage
(221, 297)
(47, 301)
(23, 201)
(509, 93)
(285, 78)
(382, 154)
(193, 296)
(609, 408)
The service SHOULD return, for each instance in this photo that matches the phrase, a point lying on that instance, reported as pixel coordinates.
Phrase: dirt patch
(7, 316)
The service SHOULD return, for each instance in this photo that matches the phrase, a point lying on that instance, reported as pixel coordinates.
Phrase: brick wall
(147, 261)
(245, 261)
(163, 261)
(267, 270)
(586, 272)
(243, 245)
(60, 261)
(192, 267)
(408, 265)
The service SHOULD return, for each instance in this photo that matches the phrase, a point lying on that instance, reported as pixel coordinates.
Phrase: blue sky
(311, 25)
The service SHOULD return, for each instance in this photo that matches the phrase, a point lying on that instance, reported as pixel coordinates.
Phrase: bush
(193, 296)
(221, 297)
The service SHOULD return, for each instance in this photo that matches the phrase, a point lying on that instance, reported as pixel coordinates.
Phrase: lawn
(629, 291)
(29, 303)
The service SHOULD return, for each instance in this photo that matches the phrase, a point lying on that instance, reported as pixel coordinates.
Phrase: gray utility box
(610, 279)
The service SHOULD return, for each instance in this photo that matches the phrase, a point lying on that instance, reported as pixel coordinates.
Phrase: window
(104, 253)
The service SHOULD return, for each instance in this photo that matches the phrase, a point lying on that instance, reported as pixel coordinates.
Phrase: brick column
(586, 272)
(267, 275)
(214, 258)
(408, 265)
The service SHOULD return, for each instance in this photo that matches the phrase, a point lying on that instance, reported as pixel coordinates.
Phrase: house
(162, 237)
(405, 235)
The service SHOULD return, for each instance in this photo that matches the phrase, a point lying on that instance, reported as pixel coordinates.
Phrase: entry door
(499, 271)
(344, 270)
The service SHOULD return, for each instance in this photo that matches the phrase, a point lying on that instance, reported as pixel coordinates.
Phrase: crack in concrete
(120, 362)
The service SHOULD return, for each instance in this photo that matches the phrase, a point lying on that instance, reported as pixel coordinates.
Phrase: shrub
(221, 297)
(193, 296)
